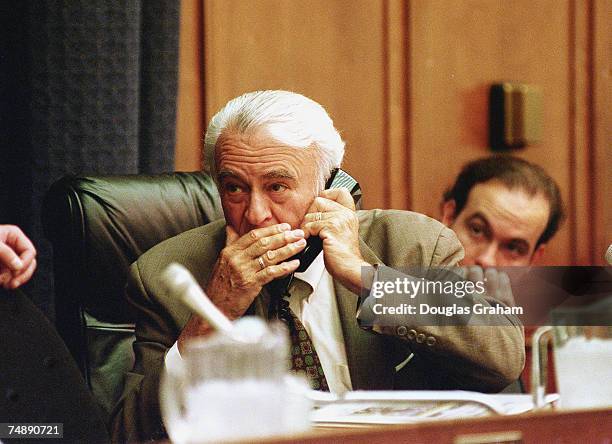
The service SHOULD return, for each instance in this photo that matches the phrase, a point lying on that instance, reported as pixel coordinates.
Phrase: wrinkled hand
(332, 217)
(249, 262)
(17, 257)
(497, 283)
(244, 266)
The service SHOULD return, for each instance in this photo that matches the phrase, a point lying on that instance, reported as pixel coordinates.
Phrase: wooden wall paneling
(580, 205)
(190, 112)
(397, 158)
(457, 49)
(332, 52)
(602, 126)
(447, 92)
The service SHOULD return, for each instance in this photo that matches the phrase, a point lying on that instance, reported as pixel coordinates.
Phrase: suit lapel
(365, 351)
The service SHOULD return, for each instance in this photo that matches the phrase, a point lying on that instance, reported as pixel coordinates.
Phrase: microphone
(608, 255)
(180, 283)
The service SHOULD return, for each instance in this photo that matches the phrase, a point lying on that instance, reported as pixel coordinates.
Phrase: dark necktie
(304, 358)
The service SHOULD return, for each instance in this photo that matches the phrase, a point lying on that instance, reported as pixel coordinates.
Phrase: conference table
(578, 426)
(565, 426)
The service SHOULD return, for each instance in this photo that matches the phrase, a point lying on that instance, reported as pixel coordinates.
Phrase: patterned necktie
(304, 358)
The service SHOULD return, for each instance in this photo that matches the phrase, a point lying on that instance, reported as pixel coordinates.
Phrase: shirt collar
(314, 272)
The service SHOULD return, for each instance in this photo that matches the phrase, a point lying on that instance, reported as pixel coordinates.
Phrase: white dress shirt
(315, 306)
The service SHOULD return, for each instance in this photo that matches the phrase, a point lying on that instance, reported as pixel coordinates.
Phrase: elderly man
(271, 153)
(504, 210)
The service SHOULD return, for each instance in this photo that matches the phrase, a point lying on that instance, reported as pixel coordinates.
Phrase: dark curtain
(88, 87)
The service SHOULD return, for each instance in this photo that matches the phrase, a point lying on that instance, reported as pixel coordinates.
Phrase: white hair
(289, 118)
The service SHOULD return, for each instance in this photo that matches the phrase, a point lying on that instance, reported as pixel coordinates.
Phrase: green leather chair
(98, 226)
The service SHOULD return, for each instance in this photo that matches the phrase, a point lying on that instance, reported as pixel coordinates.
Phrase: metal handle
(539, 364)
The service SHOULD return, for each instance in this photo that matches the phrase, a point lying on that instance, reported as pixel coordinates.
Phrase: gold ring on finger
(261, 262)
(318, 216)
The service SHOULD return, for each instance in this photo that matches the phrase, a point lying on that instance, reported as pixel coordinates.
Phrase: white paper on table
(362, 408)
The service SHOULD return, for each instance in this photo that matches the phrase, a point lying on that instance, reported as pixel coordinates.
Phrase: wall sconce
(515, 115)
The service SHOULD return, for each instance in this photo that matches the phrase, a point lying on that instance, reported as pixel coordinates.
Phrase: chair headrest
(99, 225)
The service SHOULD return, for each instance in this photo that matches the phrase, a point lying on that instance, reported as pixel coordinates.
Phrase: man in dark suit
(39, 381)
(271, 152)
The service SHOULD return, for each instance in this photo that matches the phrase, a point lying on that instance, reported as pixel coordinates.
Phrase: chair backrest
(98, 226)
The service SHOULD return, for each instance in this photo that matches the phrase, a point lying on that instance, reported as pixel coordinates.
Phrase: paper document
(367, 408)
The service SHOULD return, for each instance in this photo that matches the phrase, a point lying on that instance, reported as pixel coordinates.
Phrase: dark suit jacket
(39, 381)
(477, 358)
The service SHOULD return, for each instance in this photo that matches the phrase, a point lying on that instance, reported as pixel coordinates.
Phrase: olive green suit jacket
(483, 358)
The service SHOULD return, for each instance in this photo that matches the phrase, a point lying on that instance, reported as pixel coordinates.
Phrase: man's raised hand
(249, 262)
(332, 217)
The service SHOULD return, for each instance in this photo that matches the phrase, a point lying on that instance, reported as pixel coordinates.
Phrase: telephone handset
(314, 244)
